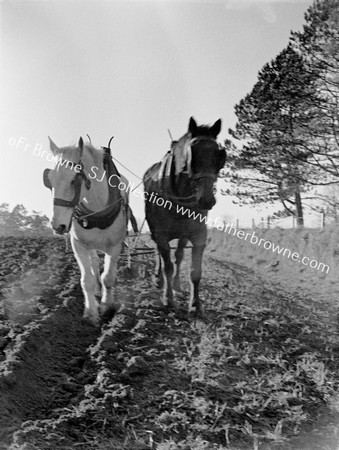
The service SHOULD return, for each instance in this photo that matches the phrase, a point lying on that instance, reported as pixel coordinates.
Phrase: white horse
(90, 201)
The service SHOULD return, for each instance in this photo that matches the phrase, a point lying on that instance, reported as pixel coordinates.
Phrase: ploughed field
(259, 372)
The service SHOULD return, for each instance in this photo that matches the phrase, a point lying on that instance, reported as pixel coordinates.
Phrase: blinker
(47, 183)
(77, 188)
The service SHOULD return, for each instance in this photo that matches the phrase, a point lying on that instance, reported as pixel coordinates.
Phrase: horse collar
(102, 219)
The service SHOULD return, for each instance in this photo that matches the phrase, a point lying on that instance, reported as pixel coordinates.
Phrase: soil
(149, 378)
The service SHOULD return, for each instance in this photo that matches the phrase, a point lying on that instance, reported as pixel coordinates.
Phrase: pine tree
(271, 164)
(19, 222)
(318, 44)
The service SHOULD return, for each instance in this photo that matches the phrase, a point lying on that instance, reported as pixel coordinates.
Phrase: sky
(132, 69)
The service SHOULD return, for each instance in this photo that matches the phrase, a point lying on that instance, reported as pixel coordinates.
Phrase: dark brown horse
(179, 191)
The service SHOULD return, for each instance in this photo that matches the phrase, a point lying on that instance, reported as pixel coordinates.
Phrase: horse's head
(66, 180)
(207, 160)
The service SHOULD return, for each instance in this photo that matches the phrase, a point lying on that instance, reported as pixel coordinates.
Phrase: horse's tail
(132, 219)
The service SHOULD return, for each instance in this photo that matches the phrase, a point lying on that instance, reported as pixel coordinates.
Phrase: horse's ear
(81, 145)
(192, 126)
(52, 146)
(215, 129)
(80, 142)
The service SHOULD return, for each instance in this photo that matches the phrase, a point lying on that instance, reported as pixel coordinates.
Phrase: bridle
(195, 177)
(77, 183)
(210, 176)
(85, 217)
(200, 175)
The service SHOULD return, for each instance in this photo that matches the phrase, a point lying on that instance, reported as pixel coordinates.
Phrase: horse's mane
(71, 153)
(182, 154)
(94, 151)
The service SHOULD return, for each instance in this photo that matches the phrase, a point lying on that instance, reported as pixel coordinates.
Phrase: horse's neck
(183, 185)
(96, 197)
(182, 155)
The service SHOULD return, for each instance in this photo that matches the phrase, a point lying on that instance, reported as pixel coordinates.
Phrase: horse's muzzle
(61, 229)
(207, 204)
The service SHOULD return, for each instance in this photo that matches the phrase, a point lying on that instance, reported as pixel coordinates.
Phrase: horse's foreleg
(179, 255)
(195, 302)
(88, 282)
(96, 272)
(160, 275)
(165, 252)
(108, 279)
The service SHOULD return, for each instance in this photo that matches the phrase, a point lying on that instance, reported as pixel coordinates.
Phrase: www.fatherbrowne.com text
(253, 239)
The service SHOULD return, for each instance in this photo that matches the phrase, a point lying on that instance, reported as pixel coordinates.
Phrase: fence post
(268, 221)
(253, 224)
(237, 225)
(322, 220)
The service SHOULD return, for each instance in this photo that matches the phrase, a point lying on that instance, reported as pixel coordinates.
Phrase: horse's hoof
(91, 319)
(107, 312)
(197, 312)
(169, 307)
(160, 284)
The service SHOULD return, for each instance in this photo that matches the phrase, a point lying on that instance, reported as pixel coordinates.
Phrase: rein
(189, 197)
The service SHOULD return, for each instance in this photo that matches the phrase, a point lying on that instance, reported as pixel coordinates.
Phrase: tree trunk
(299, 209)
